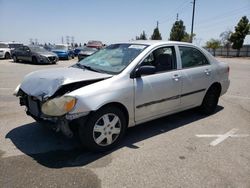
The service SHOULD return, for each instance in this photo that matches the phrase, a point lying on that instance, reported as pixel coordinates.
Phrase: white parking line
(221, 137)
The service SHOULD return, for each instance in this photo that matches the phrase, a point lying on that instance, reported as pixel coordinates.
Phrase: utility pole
(157, 24)
(177, 17)
(192, 27)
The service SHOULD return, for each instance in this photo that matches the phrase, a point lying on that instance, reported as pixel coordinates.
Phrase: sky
(115, 20)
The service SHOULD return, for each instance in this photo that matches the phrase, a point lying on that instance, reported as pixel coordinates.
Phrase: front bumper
(59, 124)
(47, 60)
(2, 55)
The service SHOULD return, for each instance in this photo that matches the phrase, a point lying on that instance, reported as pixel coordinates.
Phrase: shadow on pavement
(53, 150)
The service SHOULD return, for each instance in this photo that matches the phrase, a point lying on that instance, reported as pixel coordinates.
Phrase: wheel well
(217, 85)
(120, 106)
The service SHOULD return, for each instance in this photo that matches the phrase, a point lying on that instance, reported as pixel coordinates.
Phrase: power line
(235, 11)
(178, 9)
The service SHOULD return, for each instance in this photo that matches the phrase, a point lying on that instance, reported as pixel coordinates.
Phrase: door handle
(207, 72)
(176, 77)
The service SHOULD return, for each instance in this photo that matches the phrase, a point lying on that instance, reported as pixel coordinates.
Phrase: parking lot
(181, 150)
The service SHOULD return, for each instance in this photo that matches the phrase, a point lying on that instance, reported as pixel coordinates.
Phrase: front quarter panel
(113, 90)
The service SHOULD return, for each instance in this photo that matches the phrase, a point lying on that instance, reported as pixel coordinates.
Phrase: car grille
(52, 58)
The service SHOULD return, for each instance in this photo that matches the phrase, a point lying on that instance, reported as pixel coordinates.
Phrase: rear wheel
(210, 100)
(103, 130)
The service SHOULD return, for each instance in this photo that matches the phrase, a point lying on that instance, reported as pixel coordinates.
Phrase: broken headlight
(59, 106)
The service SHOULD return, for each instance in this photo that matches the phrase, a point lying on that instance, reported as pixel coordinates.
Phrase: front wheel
(210, 100)
(7, 55)
(15, 58)
(104, 129)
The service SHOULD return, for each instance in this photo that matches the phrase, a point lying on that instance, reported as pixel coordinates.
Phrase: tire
(103, 130)
(7, 55)
(210, 100)
(15, 58)
(34, 60)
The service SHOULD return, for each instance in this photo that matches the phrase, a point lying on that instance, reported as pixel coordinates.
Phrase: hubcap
(107, 129)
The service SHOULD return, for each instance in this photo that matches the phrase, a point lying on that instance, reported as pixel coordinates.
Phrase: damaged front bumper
(57, 123)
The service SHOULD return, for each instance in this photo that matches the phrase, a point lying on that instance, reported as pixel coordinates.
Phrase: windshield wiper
(90, 68)
(78, 65)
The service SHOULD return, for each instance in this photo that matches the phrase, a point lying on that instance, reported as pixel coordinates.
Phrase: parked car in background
(63, 51)
(5, 51)
(85, 52)
(34, 54)
(95, 44)
(123, 85)
(14, 45)
(77, 50)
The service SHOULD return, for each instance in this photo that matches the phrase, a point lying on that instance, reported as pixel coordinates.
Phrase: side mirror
(144, 70)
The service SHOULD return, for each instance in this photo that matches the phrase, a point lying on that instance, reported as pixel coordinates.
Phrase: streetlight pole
(192, 27)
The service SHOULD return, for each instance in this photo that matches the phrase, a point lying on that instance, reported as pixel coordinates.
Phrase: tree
(213, 44)
(178, 31)
(225, 40)
(187, 37)
(142, 36)
(238, 37)
(156, 34)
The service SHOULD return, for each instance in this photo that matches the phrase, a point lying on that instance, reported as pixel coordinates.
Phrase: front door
(158, 94)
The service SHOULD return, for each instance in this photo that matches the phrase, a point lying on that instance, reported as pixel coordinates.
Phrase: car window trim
(155, 48)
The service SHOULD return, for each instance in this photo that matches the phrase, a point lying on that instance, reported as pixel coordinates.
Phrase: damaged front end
(54, 110)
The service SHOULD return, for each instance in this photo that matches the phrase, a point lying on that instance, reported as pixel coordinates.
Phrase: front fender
(94, 96)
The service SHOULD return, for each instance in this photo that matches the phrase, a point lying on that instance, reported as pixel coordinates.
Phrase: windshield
(114, 58)
(3, 45)
(37, 49)
(61, 47)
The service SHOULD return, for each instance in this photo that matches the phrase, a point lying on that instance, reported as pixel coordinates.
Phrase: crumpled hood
(44, 83)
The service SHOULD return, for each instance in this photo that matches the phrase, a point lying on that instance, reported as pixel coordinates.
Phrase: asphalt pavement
(181, 150)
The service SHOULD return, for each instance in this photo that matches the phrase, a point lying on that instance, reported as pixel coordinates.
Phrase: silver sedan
(121, 86)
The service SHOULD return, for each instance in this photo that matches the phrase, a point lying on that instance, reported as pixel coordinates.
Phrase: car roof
(158, 42)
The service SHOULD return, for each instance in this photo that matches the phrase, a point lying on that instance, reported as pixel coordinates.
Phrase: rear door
(197, 76)
(158, 94)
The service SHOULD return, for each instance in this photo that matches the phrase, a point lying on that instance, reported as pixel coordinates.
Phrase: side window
(162, 58)
(25, 48)
(191, 57)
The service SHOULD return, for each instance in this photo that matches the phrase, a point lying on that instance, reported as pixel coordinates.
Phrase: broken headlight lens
(58, 106)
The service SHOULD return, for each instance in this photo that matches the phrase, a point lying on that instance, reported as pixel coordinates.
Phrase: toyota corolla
(121, 86)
